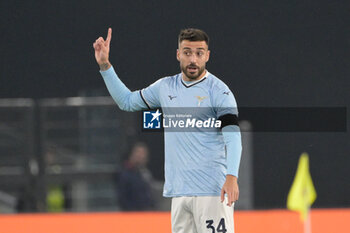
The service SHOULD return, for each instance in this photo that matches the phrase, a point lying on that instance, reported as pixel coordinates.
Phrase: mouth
(192, 69)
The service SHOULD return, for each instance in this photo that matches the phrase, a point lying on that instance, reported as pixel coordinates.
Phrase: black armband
(228, 119)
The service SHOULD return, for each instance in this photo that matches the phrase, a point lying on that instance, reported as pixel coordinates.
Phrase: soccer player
(201, 167)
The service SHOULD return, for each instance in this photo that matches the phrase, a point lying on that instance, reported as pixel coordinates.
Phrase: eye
(187, 53)
(199, 54)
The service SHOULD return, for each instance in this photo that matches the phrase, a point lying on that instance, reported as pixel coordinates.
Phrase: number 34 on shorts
(220, 227)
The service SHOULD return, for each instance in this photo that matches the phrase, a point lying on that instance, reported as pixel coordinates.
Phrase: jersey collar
(187, 85)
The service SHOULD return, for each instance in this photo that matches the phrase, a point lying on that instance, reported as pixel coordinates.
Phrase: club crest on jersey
(200, 99)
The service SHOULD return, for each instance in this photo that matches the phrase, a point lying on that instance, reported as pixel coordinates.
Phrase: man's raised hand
(101, 47)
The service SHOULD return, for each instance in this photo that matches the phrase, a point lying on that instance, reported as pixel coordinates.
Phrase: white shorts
(201, 215)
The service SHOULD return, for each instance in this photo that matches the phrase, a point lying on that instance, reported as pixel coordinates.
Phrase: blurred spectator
(56, 193)
(55, 198)
(26, 200)
(135, 180)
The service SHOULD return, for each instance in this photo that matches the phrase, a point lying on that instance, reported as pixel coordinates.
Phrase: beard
(192, 75)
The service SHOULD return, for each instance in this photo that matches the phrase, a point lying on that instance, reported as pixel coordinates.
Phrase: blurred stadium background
(60, 130)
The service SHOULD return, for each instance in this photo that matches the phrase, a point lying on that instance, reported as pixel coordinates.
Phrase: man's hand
(101, 47)
(231, 189)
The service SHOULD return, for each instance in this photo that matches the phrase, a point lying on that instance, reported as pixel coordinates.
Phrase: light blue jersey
(195, 161)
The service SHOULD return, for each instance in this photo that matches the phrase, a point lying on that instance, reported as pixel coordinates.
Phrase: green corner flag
(302, 193)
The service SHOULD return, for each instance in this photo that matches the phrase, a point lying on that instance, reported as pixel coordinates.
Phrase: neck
(185, 78)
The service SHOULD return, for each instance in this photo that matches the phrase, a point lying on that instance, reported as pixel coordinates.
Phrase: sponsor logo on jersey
(171, 97)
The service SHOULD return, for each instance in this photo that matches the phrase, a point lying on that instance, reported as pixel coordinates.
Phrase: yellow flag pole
(307, 222)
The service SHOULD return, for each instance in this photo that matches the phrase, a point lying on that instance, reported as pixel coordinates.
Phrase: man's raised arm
(125, 99)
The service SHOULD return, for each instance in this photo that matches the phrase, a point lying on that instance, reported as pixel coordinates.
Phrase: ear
(178, 54)
(208, 55)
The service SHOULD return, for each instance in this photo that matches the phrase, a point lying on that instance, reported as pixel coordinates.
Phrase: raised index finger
(109, 35)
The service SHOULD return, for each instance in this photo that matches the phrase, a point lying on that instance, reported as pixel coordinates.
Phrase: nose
(193, 58)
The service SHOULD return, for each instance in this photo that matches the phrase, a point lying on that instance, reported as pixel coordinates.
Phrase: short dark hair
(193, 34)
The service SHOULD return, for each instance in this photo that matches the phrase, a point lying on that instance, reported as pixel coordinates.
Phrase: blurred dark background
(270, 53)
